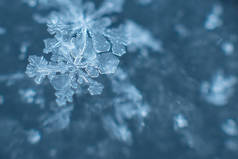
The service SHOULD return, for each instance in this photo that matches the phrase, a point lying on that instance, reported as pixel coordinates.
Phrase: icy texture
(33, 136)
(117, 131)
(129, 102)
(228, 48)
(214, 20)
(140, 38)
(219, 90)
(180, 122)
(59, 120)
(128, 105)
(82, 48)
(102, 126)
(230, 127)
(27, 95)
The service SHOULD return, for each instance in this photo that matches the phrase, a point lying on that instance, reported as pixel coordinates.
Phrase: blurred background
(176, 101)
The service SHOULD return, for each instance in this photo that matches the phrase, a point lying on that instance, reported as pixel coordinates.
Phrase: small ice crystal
(230, 127)
(27, 95)
(180, 122)
(219, 90)
(228, 48)
(33, 136)
(214, 18)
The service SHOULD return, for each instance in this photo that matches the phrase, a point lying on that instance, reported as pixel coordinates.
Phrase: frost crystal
(84, 46)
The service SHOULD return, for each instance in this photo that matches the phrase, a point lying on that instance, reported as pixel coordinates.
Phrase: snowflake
(84, 46)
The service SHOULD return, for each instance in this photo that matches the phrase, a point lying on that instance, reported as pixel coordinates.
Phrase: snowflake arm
(84, 45)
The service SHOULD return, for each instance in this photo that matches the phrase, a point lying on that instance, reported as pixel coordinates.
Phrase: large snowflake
(84, 46)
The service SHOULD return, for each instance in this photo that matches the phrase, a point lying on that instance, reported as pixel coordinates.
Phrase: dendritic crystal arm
(84, 45)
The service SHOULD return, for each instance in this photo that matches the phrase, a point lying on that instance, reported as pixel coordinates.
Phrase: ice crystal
(140, 38)
(128, 105)
(117, 130)
(27, 95)
(230, 127)
(180, 122)
(59, 120)
(84, 46)
(33, 136)
(129, 102)
(228, 48)
(220, 90)
(12, 78)
(181, 30)
(214, 20)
